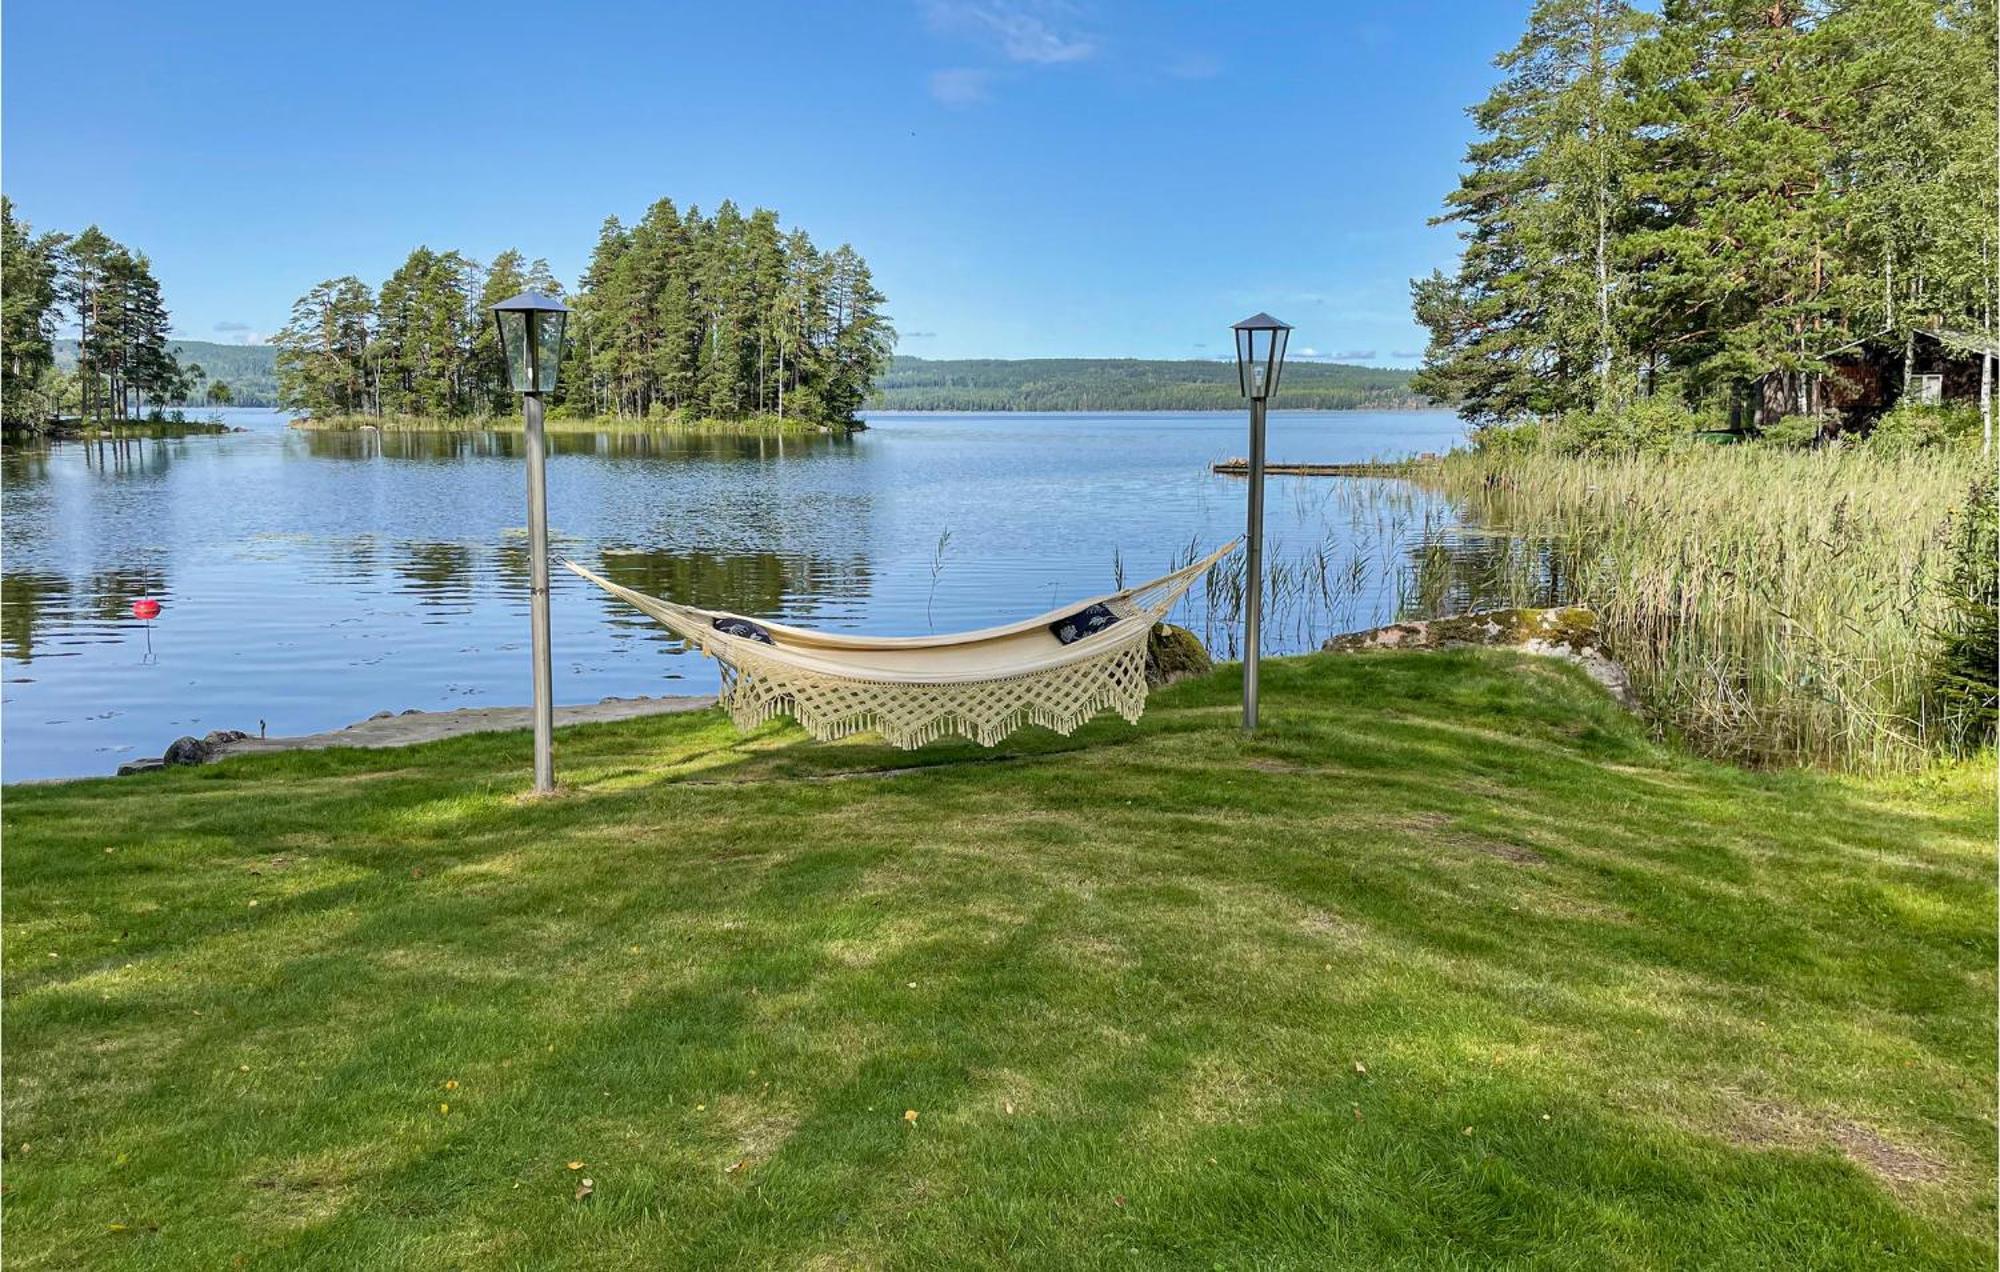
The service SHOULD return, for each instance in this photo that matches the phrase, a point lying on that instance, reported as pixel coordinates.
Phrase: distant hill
(1125, 384)
(976, 384)
(250, 370)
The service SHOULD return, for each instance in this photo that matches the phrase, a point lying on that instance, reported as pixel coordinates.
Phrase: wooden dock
(1400, 468)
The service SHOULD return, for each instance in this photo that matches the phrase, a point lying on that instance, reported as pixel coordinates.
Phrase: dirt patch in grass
(1326, 923)
(758, 1130)
(1426, 821)
(1264, 764)
(1429, 826)
(1764, 1124)
(1496, 848)
(305, 1190)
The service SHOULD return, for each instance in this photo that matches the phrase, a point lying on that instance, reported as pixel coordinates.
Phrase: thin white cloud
(1024, 30)
(961, 85)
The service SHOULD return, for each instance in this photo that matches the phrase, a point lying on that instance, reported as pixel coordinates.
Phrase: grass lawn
(1449, 966)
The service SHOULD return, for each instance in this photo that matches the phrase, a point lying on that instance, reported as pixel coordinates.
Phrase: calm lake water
(308, 580)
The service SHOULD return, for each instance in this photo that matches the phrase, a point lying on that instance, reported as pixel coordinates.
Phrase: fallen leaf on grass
(1360, 1067)
(584, 1188)
(444, 1108)
(739, 1165)
(576, 1165)
(451, 1084)
(909, 1115)
(1118, 1200)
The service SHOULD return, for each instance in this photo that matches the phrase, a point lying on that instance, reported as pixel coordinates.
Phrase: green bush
(1963, 694)
(1643, 426)
(1792, 432)
(1911, 427)
(1506, 441)
(1646, 425)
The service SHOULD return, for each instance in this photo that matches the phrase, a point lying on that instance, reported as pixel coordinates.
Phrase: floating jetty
(1398, 468)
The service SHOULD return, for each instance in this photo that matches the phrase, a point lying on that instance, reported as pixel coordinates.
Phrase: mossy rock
(1570, 627)
(1568, 632)
(1174, 653)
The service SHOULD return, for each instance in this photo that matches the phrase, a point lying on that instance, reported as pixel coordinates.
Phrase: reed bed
(1773, 606)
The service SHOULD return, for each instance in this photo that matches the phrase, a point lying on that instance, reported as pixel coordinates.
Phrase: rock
(1174, 653)
(1569, 633)
(185, 751)
(411, 711)
(222, 737)
(383, 715)
(146, 765)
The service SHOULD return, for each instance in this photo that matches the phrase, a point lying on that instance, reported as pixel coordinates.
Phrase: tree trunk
(1986, 403)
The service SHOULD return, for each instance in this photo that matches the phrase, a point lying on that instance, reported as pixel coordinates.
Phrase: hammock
(982, 685)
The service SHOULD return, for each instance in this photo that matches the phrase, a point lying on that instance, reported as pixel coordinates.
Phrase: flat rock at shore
(390, 729)
(1568, 633)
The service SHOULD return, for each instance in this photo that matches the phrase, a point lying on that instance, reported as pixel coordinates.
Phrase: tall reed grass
(1774, 606)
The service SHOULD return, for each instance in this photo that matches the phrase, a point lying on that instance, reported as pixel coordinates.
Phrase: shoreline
(591, 424)
(387, 729)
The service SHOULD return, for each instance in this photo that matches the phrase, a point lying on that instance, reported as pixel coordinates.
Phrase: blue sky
(1026, 177)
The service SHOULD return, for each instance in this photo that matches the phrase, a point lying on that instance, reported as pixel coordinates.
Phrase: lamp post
(1260, 357)
(531, 331)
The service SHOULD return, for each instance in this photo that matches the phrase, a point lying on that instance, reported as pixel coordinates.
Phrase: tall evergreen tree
(324, 352)
(1526, 323)
(28, 269)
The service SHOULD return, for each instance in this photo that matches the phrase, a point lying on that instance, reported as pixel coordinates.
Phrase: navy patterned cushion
(1085, 622)
(730, 626)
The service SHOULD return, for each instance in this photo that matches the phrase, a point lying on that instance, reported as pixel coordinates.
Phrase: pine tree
(28, 312)
(1526, 324)
(324, 352)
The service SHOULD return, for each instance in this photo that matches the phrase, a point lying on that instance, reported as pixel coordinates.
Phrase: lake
(308, 580)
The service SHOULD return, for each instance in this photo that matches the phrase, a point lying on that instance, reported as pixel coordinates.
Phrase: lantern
(1260, 354)
(531, 332)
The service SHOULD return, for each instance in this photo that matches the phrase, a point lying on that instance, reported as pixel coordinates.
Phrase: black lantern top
(1260, 354)
(531, 331)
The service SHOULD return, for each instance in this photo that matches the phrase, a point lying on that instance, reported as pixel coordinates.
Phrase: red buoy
(147, 609)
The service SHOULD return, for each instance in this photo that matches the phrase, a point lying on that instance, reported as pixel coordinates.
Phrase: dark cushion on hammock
(731, 626)
(1088, 621)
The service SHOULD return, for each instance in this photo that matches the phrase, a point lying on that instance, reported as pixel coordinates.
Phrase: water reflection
(749, 583)
(30, 601)
(309, 579)
(675, 445)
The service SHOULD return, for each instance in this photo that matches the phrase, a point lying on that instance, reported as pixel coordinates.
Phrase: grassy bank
(1449, 965)
(1774, 605)
(557, 422)
(109, 430)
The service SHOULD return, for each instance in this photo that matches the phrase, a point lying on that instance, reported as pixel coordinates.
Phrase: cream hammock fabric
(981, 685)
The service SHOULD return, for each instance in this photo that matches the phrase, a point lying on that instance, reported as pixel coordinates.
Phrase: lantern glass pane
(514, 345)
(548, 349)
(1243, 361)
(1278, 338)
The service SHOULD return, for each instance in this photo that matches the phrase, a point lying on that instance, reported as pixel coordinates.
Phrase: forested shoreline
(1772, 224)
(1716, 205)
(1128, 384)
(681, 317)
(122, 361)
